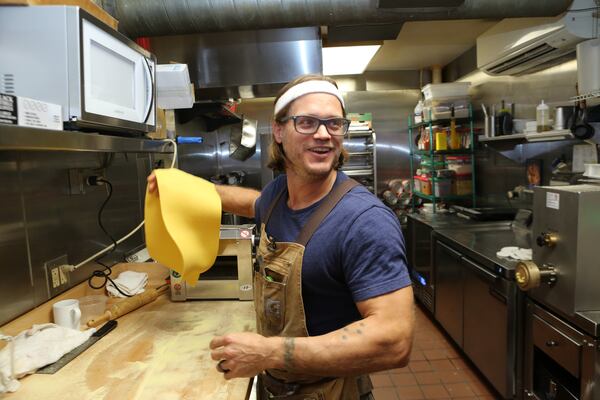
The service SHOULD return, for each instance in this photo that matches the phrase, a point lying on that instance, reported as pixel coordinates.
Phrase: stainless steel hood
(242, 64)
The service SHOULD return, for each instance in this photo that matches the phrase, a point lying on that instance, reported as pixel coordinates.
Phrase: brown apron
(280, 309)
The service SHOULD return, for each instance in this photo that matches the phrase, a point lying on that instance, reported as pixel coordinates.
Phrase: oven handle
(150, 97)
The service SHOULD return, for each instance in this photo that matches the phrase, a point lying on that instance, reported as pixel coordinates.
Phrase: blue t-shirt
(356, 253)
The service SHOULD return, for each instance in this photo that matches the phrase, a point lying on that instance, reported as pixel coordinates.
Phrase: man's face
(311, 156)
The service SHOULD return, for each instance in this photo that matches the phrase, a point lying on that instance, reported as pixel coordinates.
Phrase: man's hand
(243, 355)
(152, 184)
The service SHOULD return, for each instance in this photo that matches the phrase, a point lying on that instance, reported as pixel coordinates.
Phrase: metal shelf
(470, 151)
(358, 172)
(443, 121)
(449, 197)
(530, 137)
(587, 96)
(464, 152)
(360, 153)
(14, 137)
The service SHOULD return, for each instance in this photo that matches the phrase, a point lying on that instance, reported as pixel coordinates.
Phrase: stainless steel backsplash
(41, 220)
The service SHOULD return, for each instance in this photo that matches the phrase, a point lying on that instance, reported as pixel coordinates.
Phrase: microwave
(61, 54)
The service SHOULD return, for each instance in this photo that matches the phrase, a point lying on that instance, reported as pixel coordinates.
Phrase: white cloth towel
(515, 253)
(34, 348)
(129, 282)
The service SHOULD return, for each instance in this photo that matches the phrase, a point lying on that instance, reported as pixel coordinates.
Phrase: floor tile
(437, 370)
(417, 355)
(427, 378)
(480, 388)
(442, 365)
(435, 392)
(381, 380)
(404, 370)
(453, 376)
(420, 366)
(459, 390)
(459, 363)
(385, 394)
(403, 379)
(409, 393)
(435, 354)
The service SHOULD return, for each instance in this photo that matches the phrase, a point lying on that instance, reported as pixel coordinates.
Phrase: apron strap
(273, 204)
(324, 209)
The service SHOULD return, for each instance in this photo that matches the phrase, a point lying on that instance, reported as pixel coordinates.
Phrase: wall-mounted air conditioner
(519, 46)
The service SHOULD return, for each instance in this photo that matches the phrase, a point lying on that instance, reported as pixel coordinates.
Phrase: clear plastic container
(442, 187)
(91, 307)
(542, 117)
(460, 164)
(453, 89)
(463, 185)
(424, 184)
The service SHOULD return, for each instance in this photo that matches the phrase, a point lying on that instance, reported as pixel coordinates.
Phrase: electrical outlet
(76, 181)
(57, 277)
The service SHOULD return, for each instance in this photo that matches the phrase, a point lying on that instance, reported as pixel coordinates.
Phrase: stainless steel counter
(480, 240)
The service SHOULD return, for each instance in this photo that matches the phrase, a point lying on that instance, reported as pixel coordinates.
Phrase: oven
(231, 275)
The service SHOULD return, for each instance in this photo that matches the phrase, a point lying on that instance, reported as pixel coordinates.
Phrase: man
(331, 288)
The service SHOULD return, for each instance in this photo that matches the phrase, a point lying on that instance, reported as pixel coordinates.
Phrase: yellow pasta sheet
(183, 222)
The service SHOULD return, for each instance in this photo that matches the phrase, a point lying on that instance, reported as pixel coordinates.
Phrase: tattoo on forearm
(288, 353)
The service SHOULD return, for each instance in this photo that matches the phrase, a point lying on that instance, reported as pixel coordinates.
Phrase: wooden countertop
(159, 351)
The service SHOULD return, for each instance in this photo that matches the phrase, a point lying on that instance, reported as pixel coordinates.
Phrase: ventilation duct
(171, 17)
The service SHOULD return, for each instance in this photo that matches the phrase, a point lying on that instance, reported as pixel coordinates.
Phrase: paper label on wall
(552, 200)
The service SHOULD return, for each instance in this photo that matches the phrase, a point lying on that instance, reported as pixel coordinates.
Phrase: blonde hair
(276, 153)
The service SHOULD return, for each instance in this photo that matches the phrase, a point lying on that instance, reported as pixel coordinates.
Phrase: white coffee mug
(67, 313)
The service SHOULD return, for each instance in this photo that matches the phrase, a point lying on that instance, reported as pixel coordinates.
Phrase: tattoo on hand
(288, 355)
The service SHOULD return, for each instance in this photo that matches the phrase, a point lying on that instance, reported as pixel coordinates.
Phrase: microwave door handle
(150, 91)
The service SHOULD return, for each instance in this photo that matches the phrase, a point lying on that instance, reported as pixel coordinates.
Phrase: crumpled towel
(34, 348)
(515, 253)
(129, 282)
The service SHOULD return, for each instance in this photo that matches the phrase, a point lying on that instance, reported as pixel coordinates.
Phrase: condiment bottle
(455, 142)
(542, 117)
(504, 121)
(441, 140)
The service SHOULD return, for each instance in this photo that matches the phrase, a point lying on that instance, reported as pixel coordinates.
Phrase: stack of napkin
(129, 282)
(515, 253)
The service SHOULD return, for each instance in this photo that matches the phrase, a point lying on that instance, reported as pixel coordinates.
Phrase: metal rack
(362, 163)
(13, 137)
(470, 151)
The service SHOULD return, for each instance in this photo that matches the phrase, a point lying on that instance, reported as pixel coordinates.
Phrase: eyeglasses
(307, 125)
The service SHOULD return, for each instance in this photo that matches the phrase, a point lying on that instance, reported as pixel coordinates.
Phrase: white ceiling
(423, 44)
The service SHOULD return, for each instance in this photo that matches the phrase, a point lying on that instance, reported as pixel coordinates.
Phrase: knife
(65, 359)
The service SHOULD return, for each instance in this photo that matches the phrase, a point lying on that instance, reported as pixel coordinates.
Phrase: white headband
(307, 87)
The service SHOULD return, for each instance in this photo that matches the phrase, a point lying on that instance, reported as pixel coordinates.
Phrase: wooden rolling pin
(133, 303)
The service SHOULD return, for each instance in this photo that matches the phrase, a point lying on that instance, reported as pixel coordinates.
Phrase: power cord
(105, 274)
(71, 268)
(110, 192)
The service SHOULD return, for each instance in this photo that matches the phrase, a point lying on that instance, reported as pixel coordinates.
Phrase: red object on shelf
(143, 42)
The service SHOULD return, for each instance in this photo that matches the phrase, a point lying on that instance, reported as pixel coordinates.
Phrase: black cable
(103, 273)
(110, 192)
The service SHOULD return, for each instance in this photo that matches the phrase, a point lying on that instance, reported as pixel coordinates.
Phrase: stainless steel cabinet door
(485, 325)
(449, 290)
